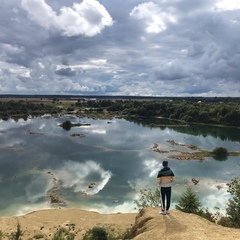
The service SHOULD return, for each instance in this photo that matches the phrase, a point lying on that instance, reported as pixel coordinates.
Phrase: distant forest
(223, 111)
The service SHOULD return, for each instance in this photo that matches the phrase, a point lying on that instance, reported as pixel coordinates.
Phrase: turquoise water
(105, 170)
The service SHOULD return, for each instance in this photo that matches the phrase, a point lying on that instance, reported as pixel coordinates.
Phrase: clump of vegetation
(2, 235)
(66, 125)
(96, 233)
(189, 202)
(38, 236)
(102, 233)
(148, 198)
(206, 214)
(225, 221)
(16, 235)
(63, 234)
(125, 235)
(220, 153)
(233, 206)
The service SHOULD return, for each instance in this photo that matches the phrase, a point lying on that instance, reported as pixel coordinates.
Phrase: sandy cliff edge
(146, 225)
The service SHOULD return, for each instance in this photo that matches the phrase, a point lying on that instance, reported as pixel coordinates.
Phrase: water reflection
(87, 177)
(105, 170)
(223, 133)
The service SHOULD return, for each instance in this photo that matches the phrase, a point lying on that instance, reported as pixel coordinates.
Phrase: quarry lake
(103, 165)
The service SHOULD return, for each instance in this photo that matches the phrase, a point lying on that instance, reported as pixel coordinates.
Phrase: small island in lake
(218, 153)
(67, 125)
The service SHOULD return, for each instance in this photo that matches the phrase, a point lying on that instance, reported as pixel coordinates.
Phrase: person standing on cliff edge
(165, 178)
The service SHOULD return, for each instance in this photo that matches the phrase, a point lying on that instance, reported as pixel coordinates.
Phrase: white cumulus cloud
(87, 18)
(156, 19)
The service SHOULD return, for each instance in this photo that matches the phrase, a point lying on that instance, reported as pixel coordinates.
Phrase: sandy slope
(179, 226)
(48, 221)
(147, 225)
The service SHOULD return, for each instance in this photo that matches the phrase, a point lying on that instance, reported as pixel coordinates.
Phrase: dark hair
(165, 163)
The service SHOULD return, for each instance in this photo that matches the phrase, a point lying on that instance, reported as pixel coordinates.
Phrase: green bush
(63, 234)
(2, 235)
(225, 222)
(233, 205)
(96, 233)
(17, 235)
(66, 125)
(101, 233)
(149, 198)
(38, 236)
(189, 202)
(125, 235)
(206, 214)
(220, 152)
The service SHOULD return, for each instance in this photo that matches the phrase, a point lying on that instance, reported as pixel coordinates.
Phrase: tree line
(198, 112)
(224, 113)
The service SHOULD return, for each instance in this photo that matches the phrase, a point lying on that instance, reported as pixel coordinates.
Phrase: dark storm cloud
(126, 47)
(65, 72)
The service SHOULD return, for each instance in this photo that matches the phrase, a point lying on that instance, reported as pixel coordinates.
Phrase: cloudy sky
(120, 47)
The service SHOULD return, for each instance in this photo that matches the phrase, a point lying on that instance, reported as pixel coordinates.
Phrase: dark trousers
(166, 195)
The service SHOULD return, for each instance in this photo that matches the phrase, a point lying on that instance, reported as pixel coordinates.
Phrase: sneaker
(163, 212)
(167, 212)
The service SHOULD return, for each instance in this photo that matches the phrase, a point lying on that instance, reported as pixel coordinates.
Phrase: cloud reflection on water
(115, 176)
(88, 177)
(37, 187)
